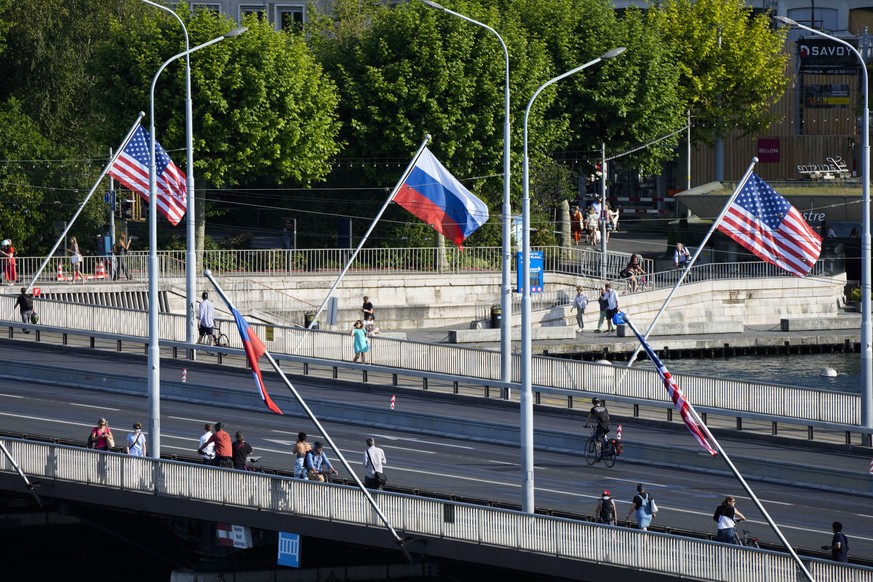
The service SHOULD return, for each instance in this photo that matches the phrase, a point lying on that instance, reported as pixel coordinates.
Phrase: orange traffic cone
(60, 272)
(100, 271)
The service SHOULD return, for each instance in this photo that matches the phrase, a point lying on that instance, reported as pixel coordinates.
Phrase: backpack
(649, 505)
(718, 511)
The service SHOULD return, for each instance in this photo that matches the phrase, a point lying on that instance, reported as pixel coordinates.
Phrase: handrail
(559, 538)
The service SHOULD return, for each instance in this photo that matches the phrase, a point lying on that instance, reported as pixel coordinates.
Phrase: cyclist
(633, 271)
(599, 413)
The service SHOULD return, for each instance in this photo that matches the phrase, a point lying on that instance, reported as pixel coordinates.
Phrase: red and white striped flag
(618, 433)
(686, 411)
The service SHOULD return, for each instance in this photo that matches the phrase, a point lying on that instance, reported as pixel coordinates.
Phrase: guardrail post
(774, 430)
(11, 332)
(364, 376)
(809, 433)
(569, 402)
(849, 437)
(424, 383)
(335, 372)
(91, 342)
(394, 379)
(175, 352)
(487, 391)
(455, 389)
(670, 415)
(636, 410)
(37, 335)
(118, 346)
(63, 337)
(305, 368)
(739, 423)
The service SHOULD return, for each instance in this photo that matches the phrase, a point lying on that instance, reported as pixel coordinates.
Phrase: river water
(788, 370)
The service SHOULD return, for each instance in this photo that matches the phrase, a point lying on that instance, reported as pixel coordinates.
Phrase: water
(789, 370)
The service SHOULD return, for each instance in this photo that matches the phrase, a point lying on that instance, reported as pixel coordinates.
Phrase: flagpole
(208, 274)
(687, 268)
(72, 221)
(730, 464)
(369, 230)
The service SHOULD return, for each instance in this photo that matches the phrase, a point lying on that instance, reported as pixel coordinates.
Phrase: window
(246, 9)
(289, 17)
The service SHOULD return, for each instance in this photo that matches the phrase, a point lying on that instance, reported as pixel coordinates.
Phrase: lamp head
(432, 4)
(785, 20)
(235, 32)
(613, 53)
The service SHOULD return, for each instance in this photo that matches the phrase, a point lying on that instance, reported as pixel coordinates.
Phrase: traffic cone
(60, 272)
(618, 433)
(100, 271)
(393, 400)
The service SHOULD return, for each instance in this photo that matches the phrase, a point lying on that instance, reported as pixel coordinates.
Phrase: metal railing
(560, 538)
(762, 401)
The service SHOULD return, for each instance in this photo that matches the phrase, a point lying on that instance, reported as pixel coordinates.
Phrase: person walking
(75, 260)
(241, 451)
(301, 448)
(604, 305)
(367, 310)
(727, 515)
(374, 461)
(208, 453)
(839, 546)
(611, 305)
(24, 303)
(317, 464)
(644, 506)
(579, 304)
(206, 320)
(136, 442)
(681, 256)
(10, 271)
(223, 448)
(121, 248)
(101, 437)
(362, 344)
(605, 511)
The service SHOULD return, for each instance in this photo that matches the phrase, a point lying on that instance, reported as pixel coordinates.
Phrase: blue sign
(537, 263)
(289, 550)
(109, 198)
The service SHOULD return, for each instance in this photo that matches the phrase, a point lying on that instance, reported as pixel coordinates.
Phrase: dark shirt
(25, 302)
(602, 415)
(241, 451)
(840, 554)
(367, 308)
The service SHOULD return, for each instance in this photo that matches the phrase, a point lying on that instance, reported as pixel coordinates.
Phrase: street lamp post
(154, 356)
(191, 248)
(527, 480)
(866, 326)
(506, 284)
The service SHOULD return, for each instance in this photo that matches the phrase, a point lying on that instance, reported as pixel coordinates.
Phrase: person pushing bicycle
(599, 413)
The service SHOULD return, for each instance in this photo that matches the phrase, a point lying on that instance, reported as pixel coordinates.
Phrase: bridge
(460, 370)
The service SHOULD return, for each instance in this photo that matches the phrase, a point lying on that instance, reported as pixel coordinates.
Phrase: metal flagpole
(369, 230)
(687, 268)
(730, 464)
(106, 169)
(208, 274)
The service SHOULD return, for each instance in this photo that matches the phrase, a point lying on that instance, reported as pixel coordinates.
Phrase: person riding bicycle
(632, 272)
(601, 414)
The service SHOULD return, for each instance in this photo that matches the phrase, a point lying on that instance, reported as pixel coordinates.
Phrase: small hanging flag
(393, 399)
(618, 433)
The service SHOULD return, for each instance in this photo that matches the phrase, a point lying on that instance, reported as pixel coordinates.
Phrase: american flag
(770, 227)
(132, 169)
(686, 411)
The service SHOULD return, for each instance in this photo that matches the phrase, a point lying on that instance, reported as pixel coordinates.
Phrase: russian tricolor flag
(432, 194)
(254, 349)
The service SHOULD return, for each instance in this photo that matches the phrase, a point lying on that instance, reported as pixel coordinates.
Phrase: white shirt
(207, 313)
(378, 457)
(209, 451)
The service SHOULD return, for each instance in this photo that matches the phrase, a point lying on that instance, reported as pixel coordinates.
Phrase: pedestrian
(121, 248)
(727, 516)
(605, 511)
(644, 506)
(7, 251)
(24, 303)
(374, 461)
(101, 437)
(604, 305)
(136, 442)
(367, 310)
(576, 224)
(223, 448)
(681, 256)
(839, 544)
(317, 464)
(301, 448)
(579, 304)
(241, 451)
(362, 344)
(611, 305)
(75, 260)
(599, 413)
(208, 453)
(206, 319)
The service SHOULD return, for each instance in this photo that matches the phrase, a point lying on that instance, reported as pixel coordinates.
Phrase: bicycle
(251, 464)
(218, 338)
(643, 284)
(608, 451)
(744, 537)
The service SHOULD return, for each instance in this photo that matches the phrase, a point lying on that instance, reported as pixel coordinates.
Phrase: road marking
(12, 396)
(95, 407)
(421, 441)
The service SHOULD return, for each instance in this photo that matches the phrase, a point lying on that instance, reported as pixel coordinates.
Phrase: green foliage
(731, 63)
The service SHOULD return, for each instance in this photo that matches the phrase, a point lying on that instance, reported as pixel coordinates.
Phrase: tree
(731, 63)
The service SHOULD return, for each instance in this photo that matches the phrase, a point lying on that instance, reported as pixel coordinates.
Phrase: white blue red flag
(432, 194)
(770, 227)
(132, 169)
(254, 349)
(686, 411)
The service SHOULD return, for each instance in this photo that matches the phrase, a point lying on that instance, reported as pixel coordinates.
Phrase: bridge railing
(571, 378)
(560, 538)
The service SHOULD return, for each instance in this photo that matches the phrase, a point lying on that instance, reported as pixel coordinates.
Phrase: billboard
(822, 56)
